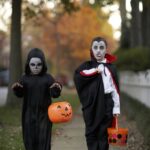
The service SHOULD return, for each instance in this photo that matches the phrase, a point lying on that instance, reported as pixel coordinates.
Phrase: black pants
(97, 139)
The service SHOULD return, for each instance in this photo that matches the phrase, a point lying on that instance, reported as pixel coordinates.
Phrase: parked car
(4, 77)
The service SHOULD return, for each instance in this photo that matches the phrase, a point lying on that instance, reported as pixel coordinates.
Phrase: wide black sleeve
(90, 90)
(55, 91)
(19, 91)
(81, 80)
(86, 85)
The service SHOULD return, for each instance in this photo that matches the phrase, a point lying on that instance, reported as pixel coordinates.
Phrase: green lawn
(10, 123)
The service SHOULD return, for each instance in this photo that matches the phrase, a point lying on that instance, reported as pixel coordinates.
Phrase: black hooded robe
(96, 106)
(36, 98)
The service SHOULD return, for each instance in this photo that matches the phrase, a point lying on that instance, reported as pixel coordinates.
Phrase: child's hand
(56, 85)
(16, 85)
(115, 115)
(100, 68)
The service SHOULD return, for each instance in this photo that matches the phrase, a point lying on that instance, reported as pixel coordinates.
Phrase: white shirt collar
(103, 61)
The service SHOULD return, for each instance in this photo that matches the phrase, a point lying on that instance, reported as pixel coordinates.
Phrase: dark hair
(99, 39)
(35, 52)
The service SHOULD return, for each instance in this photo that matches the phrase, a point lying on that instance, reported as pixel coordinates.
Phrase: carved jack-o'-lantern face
(60, 112)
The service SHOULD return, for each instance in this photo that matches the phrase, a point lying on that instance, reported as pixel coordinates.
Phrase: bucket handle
(115, 122)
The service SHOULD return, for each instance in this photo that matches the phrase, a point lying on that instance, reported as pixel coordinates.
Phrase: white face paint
(35, 65)
(99, 50)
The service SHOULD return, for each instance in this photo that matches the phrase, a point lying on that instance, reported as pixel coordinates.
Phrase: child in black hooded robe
(97, 86)
(36, 87)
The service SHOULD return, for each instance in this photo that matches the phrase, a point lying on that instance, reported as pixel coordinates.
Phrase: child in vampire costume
(97, 86)
(36, 87)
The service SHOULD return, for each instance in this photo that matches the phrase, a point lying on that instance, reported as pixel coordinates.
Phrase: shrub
(133, 59)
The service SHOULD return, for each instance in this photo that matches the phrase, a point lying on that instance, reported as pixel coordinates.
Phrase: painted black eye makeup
(32, 64)
(39, 64)
(95, 47)
(101, 47)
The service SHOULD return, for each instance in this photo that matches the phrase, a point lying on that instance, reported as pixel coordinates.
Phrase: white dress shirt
(109, 85)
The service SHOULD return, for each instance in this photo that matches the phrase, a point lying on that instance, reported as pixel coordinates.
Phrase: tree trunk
(136, 30)
(146, 24)
(15, 65)
(124, 40)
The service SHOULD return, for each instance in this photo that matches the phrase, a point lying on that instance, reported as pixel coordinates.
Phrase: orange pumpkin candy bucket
(117, 136)
(59, 112)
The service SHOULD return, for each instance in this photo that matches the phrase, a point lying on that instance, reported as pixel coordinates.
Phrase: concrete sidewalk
(71, 135)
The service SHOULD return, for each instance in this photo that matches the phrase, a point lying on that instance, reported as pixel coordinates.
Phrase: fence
(136, 85)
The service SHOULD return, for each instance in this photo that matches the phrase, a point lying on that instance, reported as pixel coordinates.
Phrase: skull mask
(99, 50)
(35, 65)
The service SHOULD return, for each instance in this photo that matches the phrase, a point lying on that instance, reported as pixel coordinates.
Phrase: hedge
(137, 59)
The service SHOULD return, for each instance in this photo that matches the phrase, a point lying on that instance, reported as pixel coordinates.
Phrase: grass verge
(137, 111)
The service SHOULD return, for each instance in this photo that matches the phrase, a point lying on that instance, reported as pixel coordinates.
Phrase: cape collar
(110, 58)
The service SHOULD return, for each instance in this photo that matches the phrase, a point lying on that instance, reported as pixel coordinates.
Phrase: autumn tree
(75, 33)
(16, 46)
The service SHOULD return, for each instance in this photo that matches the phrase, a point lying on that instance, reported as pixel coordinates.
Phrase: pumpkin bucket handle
(115, 122)
(116, 126)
